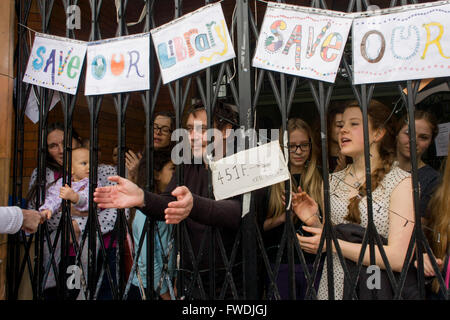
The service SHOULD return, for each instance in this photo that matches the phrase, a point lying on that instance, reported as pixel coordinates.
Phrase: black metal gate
(245, 85)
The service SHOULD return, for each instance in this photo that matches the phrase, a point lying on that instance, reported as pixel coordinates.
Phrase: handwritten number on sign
(219, 177)
(233, 173)
(229, 176)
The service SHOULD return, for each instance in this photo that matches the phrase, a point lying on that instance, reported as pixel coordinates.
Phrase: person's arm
(132, 163)
(400, 231)
(306, 209)
(155, 204)
(83, 199)
(78, 198)
(217, 213)
(126, 194)
(52, 204)
(399, 234)
(11, 219)
(274, 222)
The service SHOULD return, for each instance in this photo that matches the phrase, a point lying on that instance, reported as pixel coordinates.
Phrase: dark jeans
(134, 293)
(51, 294)
(105, 292)
(301, 283)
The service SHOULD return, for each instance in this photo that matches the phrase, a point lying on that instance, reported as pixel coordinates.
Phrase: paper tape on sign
(118, 65)
(193, 42)
(302, 43)
(55, 63)
(408, 45)
(249, 170)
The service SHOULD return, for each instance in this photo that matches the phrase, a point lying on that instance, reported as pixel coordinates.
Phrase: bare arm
(399, 233)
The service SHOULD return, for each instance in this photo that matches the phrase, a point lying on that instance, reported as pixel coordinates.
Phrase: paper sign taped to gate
(249, 170)
(193, 42)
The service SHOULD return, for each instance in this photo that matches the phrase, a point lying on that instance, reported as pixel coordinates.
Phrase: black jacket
(224, 215)
(355, 233)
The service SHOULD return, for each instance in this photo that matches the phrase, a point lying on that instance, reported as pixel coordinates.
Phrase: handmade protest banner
(248, 170)
(55, 63)
(118, 65)
(302, 42)
(193, 42)
(413, 43)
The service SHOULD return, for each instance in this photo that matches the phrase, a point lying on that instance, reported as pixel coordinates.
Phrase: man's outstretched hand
(180, 209)
(125, 194)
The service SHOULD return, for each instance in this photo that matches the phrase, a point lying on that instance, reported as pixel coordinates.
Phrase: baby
(78, 194)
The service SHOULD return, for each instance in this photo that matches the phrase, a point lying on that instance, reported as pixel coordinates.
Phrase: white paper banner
(118, 65)
(301, 43)
(193, 42)
(55, 63)
(249, 170)
(413, 44)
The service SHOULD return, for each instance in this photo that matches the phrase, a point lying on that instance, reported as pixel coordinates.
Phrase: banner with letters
(395, 44)
(55, 63)
(118, 65)
(413, 44)
(302, 42)
(193, 42)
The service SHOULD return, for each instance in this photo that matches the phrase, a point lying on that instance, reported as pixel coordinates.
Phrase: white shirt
(11, 219)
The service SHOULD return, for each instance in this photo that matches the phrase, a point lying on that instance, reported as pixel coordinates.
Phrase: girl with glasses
(303, 158)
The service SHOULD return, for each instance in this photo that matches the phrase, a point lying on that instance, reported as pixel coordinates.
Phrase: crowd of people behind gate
(169, 204)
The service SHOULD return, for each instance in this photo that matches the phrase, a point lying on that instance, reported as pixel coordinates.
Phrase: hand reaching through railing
(125, 194)
(31, 220)
(180, 209)
(305, 208)
(428, 267)
(311, 244)
(132, 163)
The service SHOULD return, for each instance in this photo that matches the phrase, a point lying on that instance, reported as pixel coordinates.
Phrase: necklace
(358, 182)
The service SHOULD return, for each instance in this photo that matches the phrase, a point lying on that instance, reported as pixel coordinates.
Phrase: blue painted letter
(134, 63)
(51, 60)
(164, 59)
(36, 63)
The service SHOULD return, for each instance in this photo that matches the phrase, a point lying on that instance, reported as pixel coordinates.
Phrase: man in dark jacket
(205, 272)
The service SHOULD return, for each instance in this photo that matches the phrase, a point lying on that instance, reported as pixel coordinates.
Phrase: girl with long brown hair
(426, 131)
(391, 193)
(437, 230)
